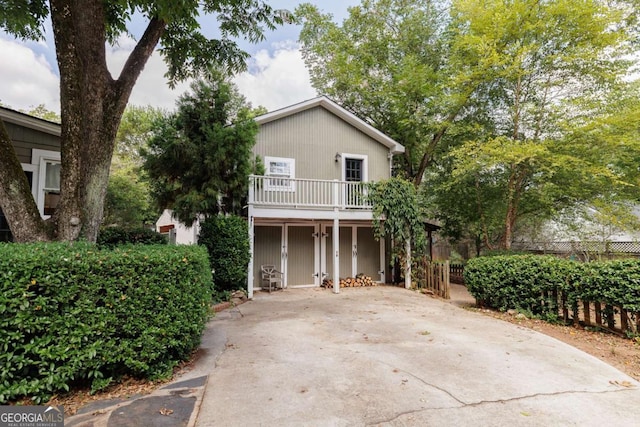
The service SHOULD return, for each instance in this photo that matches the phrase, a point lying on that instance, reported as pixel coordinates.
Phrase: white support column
(250, 267)
(354, 251)
(251, 238)
(336, 255)
(407, 267)
(317, 276)
(336, 237)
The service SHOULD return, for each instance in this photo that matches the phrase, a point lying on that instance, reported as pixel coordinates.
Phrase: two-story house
(37, 144)
(308, 215)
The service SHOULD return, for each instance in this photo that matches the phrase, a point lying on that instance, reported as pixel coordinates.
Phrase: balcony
(269, 192)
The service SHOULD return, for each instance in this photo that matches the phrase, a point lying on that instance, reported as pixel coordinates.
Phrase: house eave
(35, 123)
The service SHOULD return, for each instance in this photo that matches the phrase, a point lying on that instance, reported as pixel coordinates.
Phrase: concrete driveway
(389, 356)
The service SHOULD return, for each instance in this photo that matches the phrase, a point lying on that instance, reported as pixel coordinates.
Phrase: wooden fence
(456, 272)
(593, 313)
(434, 276)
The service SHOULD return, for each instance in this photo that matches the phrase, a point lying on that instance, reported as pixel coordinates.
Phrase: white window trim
(28, 167)
(365, 165)
(38, 161)
(292, 173)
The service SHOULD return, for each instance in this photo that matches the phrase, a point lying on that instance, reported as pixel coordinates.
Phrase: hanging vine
(396, 214)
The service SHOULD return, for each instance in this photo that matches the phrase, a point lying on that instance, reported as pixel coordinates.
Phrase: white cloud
(27, 79)
(277, 79)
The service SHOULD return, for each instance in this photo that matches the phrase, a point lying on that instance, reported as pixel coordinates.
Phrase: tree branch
(16, 200)
(138, 59)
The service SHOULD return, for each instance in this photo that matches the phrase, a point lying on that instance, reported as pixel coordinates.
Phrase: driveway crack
(484, 402)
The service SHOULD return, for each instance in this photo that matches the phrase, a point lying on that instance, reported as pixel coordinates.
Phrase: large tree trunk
(19, 207)
(92, 104)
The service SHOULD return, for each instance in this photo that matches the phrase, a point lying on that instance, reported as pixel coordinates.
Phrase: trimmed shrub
(110, 237)
(514, 282)
(75, 314)
(227, 241)
(520, 282)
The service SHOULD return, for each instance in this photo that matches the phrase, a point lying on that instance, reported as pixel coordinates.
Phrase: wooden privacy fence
(434, 276)
(456, 272)
(593, 313)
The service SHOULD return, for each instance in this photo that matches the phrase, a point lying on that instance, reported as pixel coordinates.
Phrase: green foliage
(487, 97)
(396, 213)
(227, 241)
(548, 75)
(74, 315)
(518, 282)
(128, 201)
(185, 49)
(387, 62)
(110, 237)
(42, 112)
(135, 130)
(200, 158)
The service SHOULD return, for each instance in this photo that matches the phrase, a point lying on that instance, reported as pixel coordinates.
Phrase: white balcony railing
(272, 191)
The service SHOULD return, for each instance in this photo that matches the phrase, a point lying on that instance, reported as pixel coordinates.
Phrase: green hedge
(520, 282)
(110, 237)
(74, 314)
(227, 241)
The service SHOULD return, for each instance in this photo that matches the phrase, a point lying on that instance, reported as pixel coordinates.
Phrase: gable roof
(12, 116)
(332, 107)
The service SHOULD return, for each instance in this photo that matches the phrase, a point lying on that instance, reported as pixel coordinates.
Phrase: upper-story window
(353, 170)
(281, 171)
(354, 167)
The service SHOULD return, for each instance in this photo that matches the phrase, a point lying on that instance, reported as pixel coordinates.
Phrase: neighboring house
(37, 144)
(308, 215)
(591, 234)
(176, 232)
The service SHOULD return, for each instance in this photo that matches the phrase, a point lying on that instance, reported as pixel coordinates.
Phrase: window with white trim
(355, 167)
(281, 171)
(51, 187)
(354, 171)
(47, 184)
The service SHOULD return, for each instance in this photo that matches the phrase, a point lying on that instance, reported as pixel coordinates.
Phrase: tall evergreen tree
(199, 160)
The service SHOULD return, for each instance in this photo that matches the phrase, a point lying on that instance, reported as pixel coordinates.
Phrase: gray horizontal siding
(313, 137)
(25, 139)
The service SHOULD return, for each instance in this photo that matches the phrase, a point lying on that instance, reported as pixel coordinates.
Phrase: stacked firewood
(351, 282)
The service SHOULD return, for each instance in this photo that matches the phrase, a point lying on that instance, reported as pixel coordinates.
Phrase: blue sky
(276, 78)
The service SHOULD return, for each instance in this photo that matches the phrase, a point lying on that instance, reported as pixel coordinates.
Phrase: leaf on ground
(166, 412)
